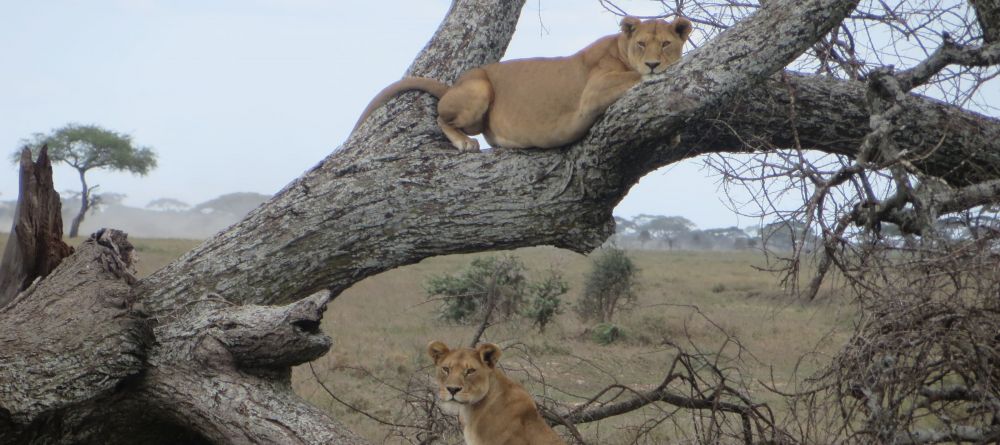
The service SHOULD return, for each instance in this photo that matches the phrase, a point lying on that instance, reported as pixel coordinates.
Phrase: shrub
(606, 333)
(487, 281)
(545, 301)
(499, 283)
(610, 286)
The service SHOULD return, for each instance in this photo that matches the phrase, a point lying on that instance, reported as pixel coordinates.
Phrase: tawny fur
(493, 409)
(547, 102)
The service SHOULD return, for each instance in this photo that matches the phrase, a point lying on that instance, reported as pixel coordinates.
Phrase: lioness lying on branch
(547, 102)
(493, 409)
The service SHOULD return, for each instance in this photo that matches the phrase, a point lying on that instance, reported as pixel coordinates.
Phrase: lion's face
(651, 46)
(463, 375)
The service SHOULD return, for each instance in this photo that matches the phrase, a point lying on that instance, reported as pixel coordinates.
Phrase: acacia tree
(192, 354)
(666, 228)
(90, 147)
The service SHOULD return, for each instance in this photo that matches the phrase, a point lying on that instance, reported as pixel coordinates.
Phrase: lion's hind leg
(462, 110)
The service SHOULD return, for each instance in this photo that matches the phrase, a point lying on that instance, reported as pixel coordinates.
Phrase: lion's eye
(641, 45)
(445, 369)
(469, 371)
(666, 44)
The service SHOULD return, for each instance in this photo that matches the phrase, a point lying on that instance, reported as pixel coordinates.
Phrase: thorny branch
(703, 384)
(919, 255)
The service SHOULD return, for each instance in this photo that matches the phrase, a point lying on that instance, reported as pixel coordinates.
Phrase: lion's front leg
(601, 91)
(604, 89)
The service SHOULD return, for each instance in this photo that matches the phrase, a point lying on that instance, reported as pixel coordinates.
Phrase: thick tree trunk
(35, 246)
(397, 192)
(71, 338)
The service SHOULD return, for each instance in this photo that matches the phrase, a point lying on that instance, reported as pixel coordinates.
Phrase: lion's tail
(405, 84)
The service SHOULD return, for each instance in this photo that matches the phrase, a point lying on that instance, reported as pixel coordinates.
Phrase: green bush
(488, 280)
(500, 283)
(545, 302)
(606, 333)
(610, 286)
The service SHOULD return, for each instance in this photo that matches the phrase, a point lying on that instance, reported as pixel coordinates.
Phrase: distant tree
(728, 237)
(234, 203)
(786, 235)
(611, 285)
(90, 147)
(168, 204)
(644, 237)
(665, 228)
(103, 200)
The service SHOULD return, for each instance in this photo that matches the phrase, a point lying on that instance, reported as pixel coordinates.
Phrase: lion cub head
(650, 46)
(464, 375)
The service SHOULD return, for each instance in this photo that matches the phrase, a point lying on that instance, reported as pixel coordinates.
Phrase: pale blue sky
(246, 95)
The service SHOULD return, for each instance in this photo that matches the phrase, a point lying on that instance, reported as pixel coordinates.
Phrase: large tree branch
(406, 182)
(397, 193)
(988, 13)
(831, 116)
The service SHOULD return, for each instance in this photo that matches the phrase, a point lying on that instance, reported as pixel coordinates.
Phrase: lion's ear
(489, 353)
(629, 24)
(682, 27)
(437, 351)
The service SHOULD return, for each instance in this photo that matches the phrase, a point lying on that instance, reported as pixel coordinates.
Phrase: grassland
(382, 325)
(696, 299)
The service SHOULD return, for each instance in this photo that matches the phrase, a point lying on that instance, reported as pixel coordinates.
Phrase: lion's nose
(652, 65)
(453, 390)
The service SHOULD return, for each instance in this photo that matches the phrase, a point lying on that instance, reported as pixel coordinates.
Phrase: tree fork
(397, 193)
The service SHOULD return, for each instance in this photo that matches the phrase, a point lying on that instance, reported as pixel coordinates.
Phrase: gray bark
(35, 246)
(72, 337)
(988, 13)
(79, 363)
(397, 192)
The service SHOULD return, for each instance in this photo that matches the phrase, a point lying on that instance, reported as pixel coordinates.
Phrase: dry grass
(383, 324)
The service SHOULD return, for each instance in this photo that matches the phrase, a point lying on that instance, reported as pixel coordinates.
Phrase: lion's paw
(468, 144)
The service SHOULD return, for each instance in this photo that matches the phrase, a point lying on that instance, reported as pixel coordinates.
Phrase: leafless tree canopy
(830, 95)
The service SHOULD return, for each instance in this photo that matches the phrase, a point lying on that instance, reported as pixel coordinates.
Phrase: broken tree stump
(35, 246)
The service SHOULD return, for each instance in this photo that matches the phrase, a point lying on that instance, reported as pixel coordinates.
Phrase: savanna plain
(723, 304)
